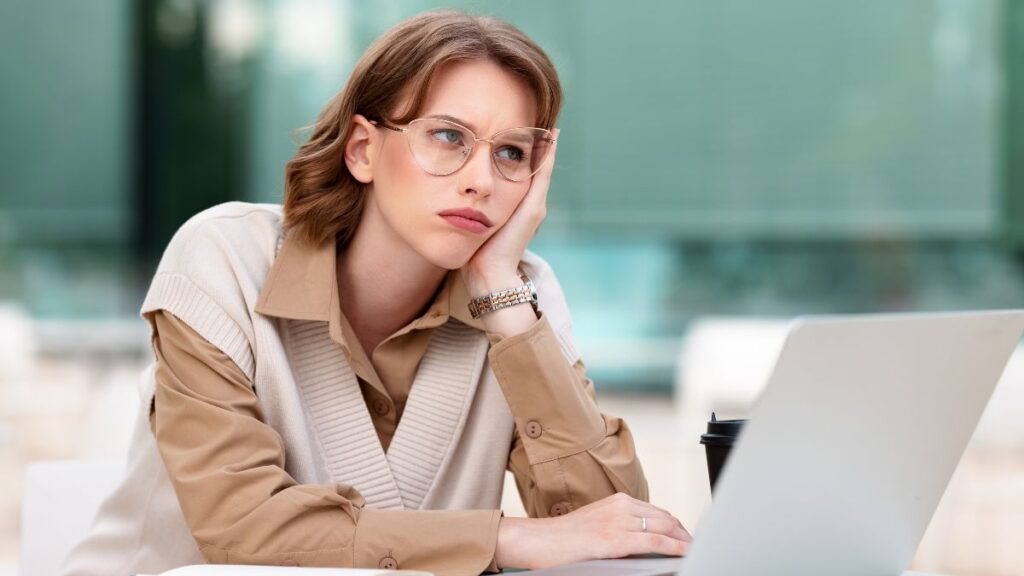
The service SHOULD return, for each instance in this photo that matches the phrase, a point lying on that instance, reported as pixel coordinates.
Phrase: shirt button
(560, 509)
(534, 429)
(380, 406)
(388, 563)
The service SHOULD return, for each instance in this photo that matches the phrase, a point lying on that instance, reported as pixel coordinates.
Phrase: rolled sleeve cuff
(452, 542)
(553, 413)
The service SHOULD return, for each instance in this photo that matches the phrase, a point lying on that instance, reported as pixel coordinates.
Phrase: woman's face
(406, 201)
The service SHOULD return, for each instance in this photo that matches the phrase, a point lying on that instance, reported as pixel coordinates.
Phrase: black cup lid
(722, 431)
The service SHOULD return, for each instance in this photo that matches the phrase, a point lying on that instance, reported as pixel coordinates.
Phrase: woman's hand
(495, 262)
(608, 528)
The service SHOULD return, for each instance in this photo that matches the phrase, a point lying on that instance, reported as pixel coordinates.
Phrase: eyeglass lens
(441, 147)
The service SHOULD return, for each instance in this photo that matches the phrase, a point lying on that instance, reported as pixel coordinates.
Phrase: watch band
(527, 293)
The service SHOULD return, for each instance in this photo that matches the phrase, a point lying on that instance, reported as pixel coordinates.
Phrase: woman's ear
(361, 149)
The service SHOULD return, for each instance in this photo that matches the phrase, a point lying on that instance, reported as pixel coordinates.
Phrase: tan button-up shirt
(213, 440)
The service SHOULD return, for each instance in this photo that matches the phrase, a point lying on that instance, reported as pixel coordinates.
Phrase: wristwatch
(505, 298)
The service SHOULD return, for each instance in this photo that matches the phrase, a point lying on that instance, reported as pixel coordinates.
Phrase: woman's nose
(477, 173)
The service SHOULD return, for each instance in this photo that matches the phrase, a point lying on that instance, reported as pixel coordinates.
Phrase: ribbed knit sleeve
(180, 296)
(210, 274)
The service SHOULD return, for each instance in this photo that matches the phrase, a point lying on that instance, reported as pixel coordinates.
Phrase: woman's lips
(465, 223)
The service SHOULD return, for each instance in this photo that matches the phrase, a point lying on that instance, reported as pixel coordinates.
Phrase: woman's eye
(512, 153)
(447, 136)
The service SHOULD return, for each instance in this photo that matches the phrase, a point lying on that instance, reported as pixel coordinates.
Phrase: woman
(344, 381)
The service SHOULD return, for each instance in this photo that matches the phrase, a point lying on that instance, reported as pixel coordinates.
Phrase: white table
(633, 567)
(580, 569)
(235, 570)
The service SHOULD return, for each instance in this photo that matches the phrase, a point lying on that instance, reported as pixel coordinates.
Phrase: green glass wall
(730, 157)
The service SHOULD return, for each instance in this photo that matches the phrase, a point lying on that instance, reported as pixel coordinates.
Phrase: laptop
(848, 450)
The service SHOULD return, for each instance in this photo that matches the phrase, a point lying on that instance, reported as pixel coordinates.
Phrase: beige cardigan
(211, 277)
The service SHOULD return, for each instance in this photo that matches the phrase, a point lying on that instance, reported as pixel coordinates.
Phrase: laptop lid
(851, 445)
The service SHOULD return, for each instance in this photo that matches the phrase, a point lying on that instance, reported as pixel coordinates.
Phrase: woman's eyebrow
(459, 121)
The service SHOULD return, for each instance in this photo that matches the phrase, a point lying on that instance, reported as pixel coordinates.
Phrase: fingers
(649, 505)
(640, 508)
(636, 506)
(645, 543)
(554, 152)
(658, 525)
(549, 162)
(537, 195)
(619, 523)
(663, 516)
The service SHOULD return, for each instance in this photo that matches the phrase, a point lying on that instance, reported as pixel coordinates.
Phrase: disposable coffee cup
(718, 441)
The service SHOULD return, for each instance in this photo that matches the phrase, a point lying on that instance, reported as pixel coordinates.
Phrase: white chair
(1001, 425)
(724, 363)
(18, 343)
(60, 500)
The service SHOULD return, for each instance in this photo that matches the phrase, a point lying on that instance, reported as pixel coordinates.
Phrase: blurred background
(723, 166)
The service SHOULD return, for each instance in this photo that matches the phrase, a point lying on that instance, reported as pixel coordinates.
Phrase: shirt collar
(302, 285)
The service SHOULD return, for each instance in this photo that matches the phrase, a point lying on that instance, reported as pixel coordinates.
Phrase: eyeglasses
(441, 147)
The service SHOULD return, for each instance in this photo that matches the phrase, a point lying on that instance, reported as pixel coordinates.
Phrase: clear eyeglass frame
(431, 166)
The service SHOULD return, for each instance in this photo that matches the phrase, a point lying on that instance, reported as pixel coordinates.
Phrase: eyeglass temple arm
(385, 125)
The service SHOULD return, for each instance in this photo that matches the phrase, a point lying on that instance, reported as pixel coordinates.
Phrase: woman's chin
(450, 256)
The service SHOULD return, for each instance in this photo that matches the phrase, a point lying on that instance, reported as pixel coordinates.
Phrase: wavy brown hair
(321, 198)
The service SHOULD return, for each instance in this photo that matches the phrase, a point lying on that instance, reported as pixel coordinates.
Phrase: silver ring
(643, 524)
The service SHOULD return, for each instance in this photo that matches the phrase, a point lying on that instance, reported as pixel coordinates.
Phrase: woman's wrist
(513, 542)
(504, 322)
(483, 283)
